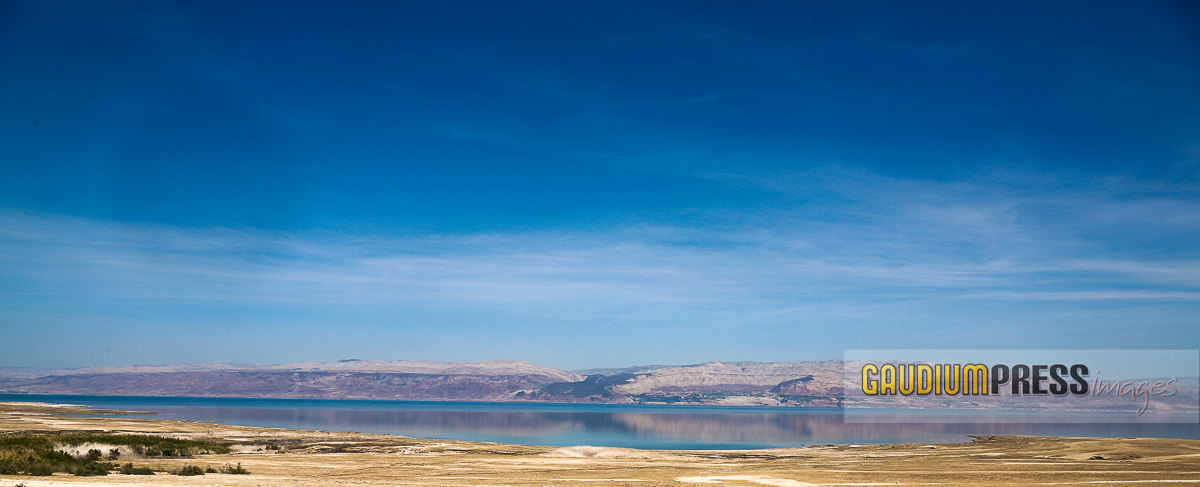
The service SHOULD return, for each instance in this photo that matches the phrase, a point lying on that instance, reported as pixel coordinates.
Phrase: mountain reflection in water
(648, 429)
(634, 426)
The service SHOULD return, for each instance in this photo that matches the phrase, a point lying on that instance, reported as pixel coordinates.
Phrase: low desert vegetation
(45, 454)
(190, 470)
(129, 469)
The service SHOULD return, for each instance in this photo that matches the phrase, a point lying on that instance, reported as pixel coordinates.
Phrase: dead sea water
(617, 425)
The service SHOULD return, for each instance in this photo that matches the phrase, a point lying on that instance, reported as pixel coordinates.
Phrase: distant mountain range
(810, 384)
(716, 383)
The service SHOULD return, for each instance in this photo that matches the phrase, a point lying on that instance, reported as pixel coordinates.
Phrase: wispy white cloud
(839, 259)
(859, 237)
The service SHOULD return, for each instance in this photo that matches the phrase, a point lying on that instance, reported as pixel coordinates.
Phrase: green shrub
(129, 469)
(26, 442)
(238, 470)
(36, 454)
(56, 456)
(39, 469)
(177, 447)
(190, 470)
(92, 468)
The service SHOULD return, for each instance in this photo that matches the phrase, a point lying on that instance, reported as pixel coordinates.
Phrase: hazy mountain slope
(351, 379)
(734, 383)
(729, 376)
(730, 383)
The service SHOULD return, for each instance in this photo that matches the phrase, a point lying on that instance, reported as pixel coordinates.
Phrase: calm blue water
(633, 426)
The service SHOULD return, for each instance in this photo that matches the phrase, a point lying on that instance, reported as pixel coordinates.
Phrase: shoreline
(307, 457)
(8, 395)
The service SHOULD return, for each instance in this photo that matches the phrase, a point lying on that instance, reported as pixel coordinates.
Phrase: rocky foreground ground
(280, 457)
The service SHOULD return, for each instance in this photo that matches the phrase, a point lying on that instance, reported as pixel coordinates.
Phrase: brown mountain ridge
(719, 383)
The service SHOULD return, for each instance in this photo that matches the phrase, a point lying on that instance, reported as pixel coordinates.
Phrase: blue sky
(591, 184)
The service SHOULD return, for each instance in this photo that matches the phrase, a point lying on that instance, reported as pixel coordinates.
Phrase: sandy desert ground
(331, 458)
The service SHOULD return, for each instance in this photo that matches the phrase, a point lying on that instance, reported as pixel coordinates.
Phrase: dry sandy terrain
(330, 458)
